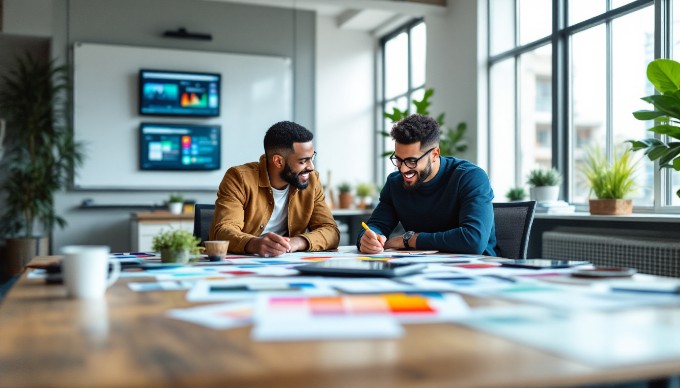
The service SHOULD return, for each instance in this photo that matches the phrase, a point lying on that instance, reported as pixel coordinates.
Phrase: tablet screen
(542, 263)
(360, 268)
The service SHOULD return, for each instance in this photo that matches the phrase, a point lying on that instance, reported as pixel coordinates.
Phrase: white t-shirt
(278, 223)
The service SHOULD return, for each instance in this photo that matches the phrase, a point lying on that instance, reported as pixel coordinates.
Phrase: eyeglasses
(307, 160)
(409, 162)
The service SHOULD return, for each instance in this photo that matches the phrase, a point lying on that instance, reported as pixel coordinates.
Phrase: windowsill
(635, 217)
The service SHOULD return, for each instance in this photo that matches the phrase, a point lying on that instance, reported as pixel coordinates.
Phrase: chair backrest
(513, 225)
(203, 217)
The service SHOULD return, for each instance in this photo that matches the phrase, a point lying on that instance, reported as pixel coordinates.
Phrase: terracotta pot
(20, 251)
(345, 200)
(611, 206)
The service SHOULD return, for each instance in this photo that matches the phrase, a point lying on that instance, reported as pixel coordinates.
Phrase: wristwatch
(407, 236)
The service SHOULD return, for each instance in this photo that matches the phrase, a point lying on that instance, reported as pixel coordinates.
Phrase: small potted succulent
(176, 246)
(345, 196)
(365, 193)
(516, 194)
(175, 203)
(611, 183)
(545, 184)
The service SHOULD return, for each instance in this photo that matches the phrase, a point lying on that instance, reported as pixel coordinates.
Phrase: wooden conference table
(126, 340)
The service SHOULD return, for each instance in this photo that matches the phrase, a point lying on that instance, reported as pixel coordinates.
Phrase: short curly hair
(281, 136)
(417, 128)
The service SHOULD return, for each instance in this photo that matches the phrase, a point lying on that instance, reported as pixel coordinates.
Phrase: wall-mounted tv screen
(179, 147)
(179, 93)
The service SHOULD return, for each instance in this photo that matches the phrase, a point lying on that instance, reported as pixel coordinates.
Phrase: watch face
(407, 236)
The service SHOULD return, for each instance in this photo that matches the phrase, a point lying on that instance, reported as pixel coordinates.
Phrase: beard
(293, 179)
(422, 175)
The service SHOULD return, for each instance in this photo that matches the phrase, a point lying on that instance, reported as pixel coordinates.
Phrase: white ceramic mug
(86, 269)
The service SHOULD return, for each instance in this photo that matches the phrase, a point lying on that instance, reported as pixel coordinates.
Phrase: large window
(560, 87)
(403, 77)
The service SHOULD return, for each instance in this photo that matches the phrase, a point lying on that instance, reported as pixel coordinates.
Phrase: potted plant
(545, 184)
(516, 194)
(175, 203)
(365, 192)
(345, 195)
(176, 246)
(451, 142)
(611, 183)
(664, 74)
(40, 156)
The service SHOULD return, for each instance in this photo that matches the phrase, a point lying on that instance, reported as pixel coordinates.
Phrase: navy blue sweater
(453, 212)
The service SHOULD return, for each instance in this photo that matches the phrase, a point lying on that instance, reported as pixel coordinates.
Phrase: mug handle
(115, 272)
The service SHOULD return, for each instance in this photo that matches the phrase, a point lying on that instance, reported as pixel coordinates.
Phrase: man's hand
(269, 245)
(372, 242)
(395, 243)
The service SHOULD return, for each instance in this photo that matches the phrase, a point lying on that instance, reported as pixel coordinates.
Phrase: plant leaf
(669, 130)
(647, 114)
(664, 74)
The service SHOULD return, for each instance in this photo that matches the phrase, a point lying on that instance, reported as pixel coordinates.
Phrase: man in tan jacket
(276, 205)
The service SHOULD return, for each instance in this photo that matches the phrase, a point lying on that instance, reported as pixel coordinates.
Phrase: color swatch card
(247, 288)
(404, 307)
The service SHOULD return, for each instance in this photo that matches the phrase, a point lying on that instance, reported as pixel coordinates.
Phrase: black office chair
(513, 225)
(203, 217)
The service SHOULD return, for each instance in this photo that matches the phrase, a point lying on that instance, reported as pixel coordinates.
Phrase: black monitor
(186, 147)
(179, 93)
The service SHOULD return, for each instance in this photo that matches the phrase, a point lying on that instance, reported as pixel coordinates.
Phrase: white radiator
(647, 255)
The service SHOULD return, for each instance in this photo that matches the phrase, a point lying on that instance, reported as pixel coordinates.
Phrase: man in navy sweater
(443, 203)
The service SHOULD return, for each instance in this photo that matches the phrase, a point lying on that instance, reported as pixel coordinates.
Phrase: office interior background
(537, 82)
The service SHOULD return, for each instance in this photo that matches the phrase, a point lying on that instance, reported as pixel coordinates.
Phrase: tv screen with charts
(177, 93)
(179, 147)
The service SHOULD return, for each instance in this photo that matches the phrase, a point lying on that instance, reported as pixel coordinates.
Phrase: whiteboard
(256, 92)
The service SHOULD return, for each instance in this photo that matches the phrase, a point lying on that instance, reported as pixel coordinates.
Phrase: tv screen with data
(179, 93)
(187, 147)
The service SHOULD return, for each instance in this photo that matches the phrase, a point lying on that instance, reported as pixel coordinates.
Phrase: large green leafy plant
(452, 140)
(664, 74)
(41, 152)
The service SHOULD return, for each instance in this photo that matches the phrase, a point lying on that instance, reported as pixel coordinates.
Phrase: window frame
(410, 90)
(563, 144)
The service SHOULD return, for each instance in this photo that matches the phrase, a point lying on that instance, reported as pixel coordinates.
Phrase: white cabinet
(146, 225)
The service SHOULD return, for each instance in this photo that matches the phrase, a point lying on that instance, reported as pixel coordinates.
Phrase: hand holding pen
(371, 242)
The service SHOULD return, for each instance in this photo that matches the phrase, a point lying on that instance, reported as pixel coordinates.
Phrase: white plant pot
(544, 193)
(175, 207)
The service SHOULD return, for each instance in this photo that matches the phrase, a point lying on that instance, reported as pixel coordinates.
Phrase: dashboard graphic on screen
(177, 93)
(186, 147)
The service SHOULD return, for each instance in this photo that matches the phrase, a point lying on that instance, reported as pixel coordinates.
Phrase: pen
(367, 229)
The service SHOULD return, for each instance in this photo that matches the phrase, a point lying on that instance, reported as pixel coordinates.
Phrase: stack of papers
(554, 207)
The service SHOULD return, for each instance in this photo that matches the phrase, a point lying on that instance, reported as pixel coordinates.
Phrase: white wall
(453, 70)
(27, 17)
(345, 98)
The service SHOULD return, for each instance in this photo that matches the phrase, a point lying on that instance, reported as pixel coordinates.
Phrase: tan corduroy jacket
(245, 203)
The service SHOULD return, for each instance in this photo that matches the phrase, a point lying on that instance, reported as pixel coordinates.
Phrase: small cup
(216, 250)
(86, 269)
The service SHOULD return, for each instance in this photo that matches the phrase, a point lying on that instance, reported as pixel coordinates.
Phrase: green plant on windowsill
(544, 177)
(664, 74)
(175, 197)
(344, 187)
(452, 140)
(516, 194)
(176, 245)
(365, 189)
(610, 181)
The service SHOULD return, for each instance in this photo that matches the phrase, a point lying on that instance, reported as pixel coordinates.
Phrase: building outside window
(557, 90)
